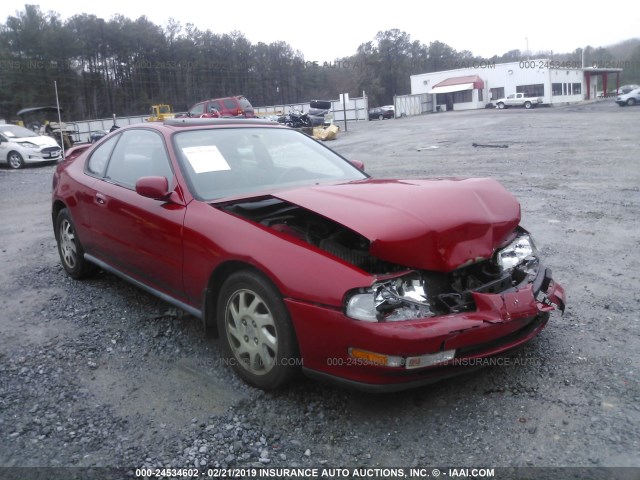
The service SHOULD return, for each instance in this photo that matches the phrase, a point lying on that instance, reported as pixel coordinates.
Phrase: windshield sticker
(206, 159)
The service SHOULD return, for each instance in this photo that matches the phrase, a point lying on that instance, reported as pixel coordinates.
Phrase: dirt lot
(98, 373)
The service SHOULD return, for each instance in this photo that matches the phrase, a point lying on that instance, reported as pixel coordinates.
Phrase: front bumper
(500, 323)
(34, 156)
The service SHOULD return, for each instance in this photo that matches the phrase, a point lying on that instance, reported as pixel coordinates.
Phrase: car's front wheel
(15, 160)
(631, 102)
(380, 117)
(257, 336)
(500, 105)
(70, 248)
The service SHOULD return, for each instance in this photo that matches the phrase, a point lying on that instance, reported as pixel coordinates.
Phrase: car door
(139, 236)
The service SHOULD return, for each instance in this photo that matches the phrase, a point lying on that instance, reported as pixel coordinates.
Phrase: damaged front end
(476, 311)
(399, 292)
(411, 318)
(423, 294)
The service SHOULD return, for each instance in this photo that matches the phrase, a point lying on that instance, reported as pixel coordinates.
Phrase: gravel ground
(99, 374)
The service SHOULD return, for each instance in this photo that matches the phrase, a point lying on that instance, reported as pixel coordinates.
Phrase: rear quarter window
(97, 163)
(197, 109)
(245, 104)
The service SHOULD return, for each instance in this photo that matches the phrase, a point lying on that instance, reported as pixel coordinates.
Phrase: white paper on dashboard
(206, 158)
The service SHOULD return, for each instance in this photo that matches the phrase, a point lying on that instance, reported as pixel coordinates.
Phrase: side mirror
(358, 164)
(153, 187)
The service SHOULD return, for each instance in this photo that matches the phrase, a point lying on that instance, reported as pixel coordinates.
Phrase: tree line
(123, 66)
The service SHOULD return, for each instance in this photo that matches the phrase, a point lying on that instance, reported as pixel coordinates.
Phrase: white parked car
(518, 100)
(19, 146)
(629, 99)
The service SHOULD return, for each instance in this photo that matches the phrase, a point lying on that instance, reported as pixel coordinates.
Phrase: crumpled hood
(432, 224)
(41, 141)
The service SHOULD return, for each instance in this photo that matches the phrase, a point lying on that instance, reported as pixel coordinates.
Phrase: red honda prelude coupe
(297, 259)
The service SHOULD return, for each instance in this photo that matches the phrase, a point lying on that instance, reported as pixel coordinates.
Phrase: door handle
(101, 199)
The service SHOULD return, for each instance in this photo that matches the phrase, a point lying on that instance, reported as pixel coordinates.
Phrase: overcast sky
(325, 30)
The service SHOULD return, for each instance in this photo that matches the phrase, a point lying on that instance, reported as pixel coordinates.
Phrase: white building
(481, 83)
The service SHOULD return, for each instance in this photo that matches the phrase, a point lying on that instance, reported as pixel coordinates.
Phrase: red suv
(237, 106)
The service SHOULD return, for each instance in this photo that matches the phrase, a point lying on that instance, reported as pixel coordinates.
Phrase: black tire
(256, 333)
(15, 160)
(631, 102)
(70, 248)
(500, 105)
(380, 117)
(527, 105)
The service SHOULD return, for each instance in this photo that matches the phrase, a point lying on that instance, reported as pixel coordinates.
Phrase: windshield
(226, 162)
(14, 131)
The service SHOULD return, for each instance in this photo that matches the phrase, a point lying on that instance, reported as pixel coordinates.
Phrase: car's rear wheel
(380, 117)
(527, 105)
(15, 160)
(70, 248)
(500, 105)
(257, 336)
(631, 102)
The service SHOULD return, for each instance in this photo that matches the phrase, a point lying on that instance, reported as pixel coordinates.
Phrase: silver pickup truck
(518, 100)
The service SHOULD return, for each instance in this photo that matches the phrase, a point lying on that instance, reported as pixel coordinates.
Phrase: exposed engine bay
(315, 230)
(418, 294)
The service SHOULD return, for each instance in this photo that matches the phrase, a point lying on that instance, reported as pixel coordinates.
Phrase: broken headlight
(402, 298)
(520, 250)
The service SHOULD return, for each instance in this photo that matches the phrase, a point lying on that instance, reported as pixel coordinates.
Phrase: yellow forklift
(160, 113)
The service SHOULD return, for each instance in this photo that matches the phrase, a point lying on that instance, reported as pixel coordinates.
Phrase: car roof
(222, 98)
(176, 124)
(199, 122)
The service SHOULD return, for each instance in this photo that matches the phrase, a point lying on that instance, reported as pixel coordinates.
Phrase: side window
(139, 153)
(216, 105)
(100, 157)
(230, 103)
(197, 110)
